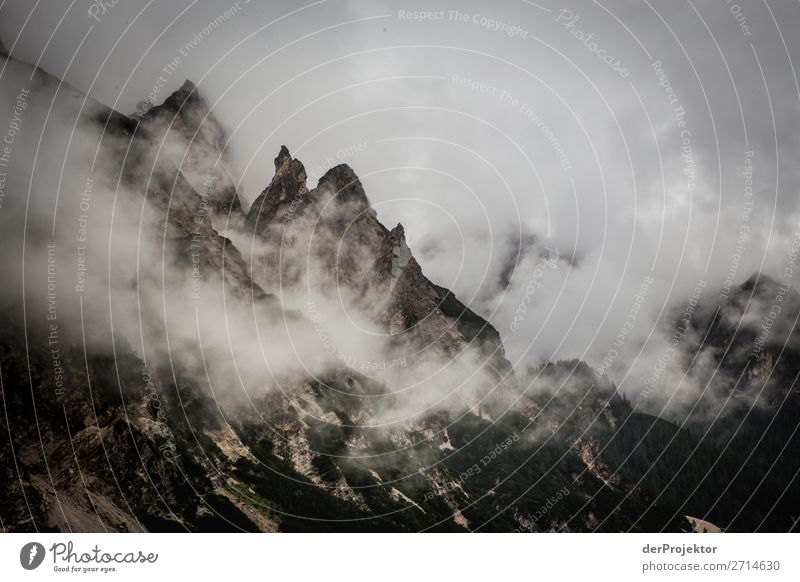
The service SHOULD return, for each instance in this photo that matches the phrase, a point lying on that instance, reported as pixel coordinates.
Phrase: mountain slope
(316, 380)
(748, 409)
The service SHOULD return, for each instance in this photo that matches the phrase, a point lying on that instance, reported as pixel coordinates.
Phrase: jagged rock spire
(286, 195)
(396, 255)
(283, 158)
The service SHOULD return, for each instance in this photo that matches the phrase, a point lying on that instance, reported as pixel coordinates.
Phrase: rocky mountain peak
(362, 445)
(187, 118)
(285, 196)
(282, 159)
(396, 249)
(287, 166)
(343, 183)
(398, 232)
(180, 102)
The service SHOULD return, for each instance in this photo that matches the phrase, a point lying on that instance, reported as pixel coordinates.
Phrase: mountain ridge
(149, 436)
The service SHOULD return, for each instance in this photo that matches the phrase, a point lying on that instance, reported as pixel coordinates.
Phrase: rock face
(185, 121)
(747, 366)
(285, 197)
(158, 431)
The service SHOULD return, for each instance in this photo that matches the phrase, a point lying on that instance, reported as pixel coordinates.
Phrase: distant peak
(283, 158)
(343, 183)
(186, 97)
(759, 280)
(181, 98)
(340, 177)
(757, 276)
(398, 232)
(285, 164)
(286, 194)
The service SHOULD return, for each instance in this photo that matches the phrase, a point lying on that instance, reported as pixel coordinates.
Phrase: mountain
(299, 372)
(330, 238)
(747, 363)
(185, 122)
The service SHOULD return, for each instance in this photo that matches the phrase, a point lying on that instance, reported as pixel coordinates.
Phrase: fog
(529, 170)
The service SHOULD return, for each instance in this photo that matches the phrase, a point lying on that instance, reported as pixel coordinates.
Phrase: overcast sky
(614, 132)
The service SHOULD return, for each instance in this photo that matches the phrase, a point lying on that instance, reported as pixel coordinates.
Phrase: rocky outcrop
(185, 120)
(284, 198)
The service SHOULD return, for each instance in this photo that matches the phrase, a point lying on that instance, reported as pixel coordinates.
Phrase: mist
(493, 135)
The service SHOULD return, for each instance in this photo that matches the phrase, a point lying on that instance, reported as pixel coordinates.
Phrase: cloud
(474, 169)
